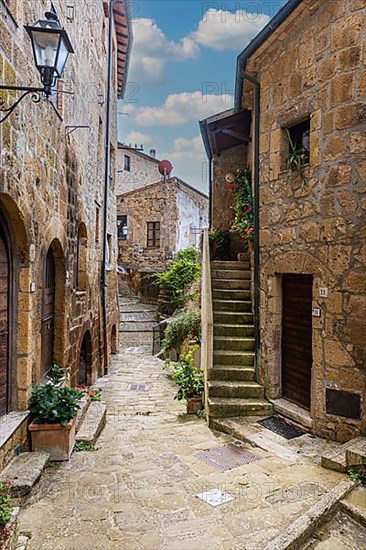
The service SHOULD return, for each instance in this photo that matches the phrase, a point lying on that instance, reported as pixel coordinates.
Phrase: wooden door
(4, 328)
(297, 354)
(48, 314)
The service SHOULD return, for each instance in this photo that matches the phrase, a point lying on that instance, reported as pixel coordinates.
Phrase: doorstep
(293, 412)
(10, 423)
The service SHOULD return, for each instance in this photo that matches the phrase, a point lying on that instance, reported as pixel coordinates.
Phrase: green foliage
(244, 221)
(296, 160)
(80, 446)
(355, 476)
(186, 326)
(188, 377)
(6, 508)
(220, 241)
(184, 270)
(53, 403)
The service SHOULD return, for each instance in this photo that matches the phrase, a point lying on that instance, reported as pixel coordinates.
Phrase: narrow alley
(139, 489)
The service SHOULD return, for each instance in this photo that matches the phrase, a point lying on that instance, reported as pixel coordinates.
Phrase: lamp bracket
(70, 129)
(35, 97)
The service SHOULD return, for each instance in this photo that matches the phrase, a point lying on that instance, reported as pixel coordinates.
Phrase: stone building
(52, 206)
(135, 168)
(157, 221)
(310, 65)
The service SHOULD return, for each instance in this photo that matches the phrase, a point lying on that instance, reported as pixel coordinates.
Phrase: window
(300, 138)
(122, 228)
(153, 234)
(127, 165)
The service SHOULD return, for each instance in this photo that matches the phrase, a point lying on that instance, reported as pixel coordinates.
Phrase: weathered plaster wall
(317, 69)
(144, 171)
(192, 214)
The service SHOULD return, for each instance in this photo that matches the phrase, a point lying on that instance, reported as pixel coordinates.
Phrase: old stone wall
(51, 185)
(143, 170)
(314, 66)
(222, 198)
(192, 215)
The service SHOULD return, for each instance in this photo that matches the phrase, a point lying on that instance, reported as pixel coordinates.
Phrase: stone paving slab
(138, 490)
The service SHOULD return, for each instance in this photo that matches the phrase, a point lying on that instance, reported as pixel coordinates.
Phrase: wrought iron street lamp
(51, 49)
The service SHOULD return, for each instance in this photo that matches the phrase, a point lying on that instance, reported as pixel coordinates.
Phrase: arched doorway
(48, 313)
(5, 288)
(85, 362)
(114, 340)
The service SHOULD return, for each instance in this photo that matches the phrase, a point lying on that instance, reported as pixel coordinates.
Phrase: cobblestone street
(138, 490)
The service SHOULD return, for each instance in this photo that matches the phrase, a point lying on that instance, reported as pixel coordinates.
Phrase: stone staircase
(232, 389)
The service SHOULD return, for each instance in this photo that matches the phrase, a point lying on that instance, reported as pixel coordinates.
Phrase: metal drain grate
(227, 457)
(280, 427)
(138, 387)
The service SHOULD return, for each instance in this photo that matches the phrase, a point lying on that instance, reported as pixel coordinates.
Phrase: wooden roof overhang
(225, 131)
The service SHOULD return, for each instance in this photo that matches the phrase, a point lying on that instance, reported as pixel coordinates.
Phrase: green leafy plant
(80, 446)
(53, 403)
(354, 476)
(242, 190)
(6, 508)
(185, 326)
(296, 161)
(188, 377)
(184, 270)
(220, 241)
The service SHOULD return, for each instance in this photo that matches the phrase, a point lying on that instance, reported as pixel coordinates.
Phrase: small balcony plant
(54, 407)
(190, 381)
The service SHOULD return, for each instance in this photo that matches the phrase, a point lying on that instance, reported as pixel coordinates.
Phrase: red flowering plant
(93, 393)
(239, 185)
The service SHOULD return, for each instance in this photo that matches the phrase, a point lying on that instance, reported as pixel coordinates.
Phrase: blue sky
(183, 69)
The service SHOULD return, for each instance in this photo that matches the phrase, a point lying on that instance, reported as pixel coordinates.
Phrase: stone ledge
(10, 423)
(293, 412)
(294, 537)
(23, 472)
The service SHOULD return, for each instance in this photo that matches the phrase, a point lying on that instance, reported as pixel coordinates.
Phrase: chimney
(153, 153)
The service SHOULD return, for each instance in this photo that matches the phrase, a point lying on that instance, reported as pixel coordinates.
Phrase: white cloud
(152, 50)
(181, 108)
(225, 30)
(138, 137)
(189, 161)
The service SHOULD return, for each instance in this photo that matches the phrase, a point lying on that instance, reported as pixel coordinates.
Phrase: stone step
(234, 343)
(93, 423)
(231, 265)
(231, 274)
(230, 294)
(84, 405)
(231, 373)
(233, 317)
(337, 459)
(225, 329)
(243, 390)
(221, 407)
(225, 357)
(232, 305)
(23, 472)
(356, 453)
(234, 284)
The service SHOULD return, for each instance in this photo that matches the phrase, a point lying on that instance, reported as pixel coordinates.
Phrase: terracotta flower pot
(56, 440)
(194, 404)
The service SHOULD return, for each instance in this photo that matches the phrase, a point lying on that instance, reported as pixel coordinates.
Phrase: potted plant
(190, 381)
(239, 185)
(54, 407)
(297, 160)
(219, 244)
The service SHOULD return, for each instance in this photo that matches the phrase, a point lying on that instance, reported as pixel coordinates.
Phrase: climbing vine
(239, 185)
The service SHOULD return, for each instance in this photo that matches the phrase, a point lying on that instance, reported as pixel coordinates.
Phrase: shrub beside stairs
(232, 389)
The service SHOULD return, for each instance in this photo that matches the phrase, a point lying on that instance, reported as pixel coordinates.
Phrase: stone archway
(85, 360)
(6, 307)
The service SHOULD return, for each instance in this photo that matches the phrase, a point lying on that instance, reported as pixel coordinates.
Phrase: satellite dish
(165, 167)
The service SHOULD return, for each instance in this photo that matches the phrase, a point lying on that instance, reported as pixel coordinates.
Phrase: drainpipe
(246, 76)
(107, 176)
(210, 192)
